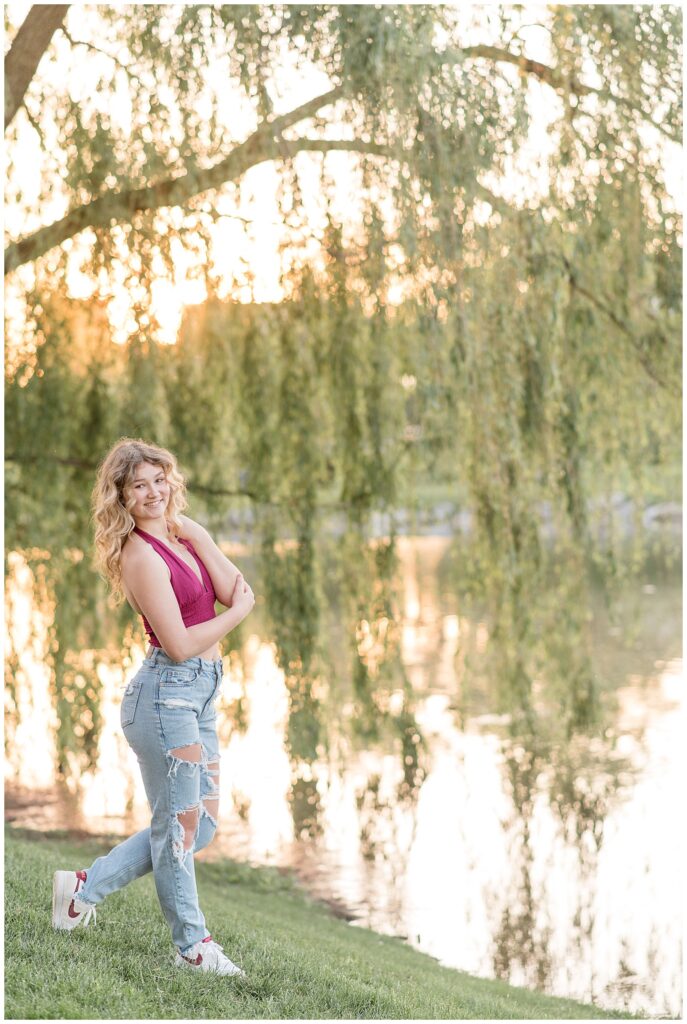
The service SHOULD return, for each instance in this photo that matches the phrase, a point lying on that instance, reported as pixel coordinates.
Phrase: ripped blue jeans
(169, 720)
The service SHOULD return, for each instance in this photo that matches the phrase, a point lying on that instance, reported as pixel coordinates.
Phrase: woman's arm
(147, 578)
(223, 573)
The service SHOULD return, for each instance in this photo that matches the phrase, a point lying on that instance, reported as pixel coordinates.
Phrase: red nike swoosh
(71, 912)
(195, 963)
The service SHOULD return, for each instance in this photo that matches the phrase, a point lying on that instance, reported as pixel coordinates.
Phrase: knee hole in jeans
(211, 808)
(211, 799)
(189, 822)
(213, 776)
(190, 754)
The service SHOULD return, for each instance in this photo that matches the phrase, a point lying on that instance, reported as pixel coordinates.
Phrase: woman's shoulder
(190, 529)
(137, 553)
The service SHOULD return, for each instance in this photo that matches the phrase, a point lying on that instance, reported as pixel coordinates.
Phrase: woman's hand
(242, 597)
(239, 586)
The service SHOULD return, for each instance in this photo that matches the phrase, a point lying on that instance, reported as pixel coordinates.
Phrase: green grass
(301, 961)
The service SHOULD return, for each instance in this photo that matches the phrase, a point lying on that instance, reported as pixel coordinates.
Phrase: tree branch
(30, 459)
(90, 466)
(561, 83)
(103, 53)
(608, 311)
(29, 45)
(34, 124)
(264, 144)
(526, 65)
(191, 485)
(307, 109)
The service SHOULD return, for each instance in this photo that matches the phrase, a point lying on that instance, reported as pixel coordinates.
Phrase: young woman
(171, 572)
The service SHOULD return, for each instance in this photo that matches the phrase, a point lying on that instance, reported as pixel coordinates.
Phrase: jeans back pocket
(130, 702)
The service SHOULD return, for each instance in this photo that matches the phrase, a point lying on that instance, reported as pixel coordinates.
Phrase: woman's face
(150, 492)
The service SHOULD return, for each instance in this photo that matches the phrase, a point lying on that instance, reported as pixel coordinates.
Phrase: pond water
(497, 850)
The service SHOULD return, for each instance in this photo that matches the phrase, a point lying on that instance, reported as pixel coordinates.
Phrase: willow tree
(536, 347)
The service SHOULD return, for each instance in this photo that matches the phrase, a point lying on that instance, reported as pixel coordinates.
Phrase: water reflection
(407, 798)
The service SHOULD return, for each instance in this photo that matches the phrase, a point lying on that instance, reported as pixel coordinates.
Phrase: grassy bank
(301, 961)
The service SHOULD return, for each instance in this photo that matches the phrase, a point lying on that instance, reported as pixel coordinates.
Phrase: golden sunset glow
(251, 244)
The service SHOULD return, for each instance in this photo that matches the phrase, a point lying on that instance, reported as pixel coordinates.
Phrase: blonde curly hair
(111, 509)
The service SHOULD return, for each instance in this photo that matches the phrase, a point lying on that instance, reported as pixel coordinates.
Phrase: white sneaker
(207, 955)
(67, 908)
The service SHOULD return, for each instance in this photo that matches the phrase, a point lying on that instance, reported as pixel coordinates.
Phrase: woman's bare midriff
(211, 654)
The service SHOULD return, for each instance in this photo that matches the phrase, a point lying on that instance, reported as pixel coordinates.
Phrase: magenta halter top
(196, 599)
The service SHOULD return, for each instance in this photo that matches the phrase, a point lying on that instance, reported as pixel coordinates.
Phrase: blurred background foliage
(517, 354)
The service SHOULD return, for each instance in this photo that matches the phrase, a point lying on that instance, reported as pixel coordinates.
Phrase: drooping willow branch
(564, 83)
(604, 307)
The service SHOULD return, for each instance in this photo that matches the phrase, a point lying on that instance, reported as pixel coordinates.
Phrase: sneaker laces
(223, 958)
(216, 951)
(210, 946)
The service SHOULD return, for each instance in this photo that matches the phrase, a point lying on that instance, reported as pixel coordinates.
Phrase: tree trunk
(26, 51)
